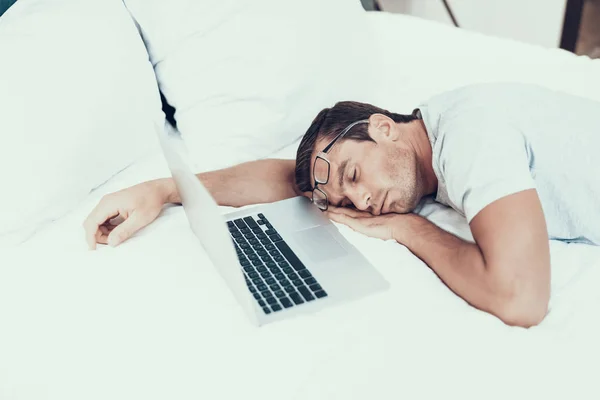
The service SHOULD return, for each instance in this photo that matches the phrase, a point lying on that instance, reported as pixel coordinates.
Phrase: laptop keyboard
(275, 276)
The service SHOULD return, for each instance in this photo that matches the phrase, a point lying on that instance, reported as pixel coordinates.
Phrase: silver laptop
(279, 259)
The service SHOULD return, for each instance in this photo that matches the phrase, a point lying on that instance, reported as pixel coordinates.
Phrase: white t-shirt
(493, 140)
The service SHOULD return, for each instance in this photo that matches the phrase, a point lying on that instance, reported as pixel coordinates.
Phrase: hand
(377, 226)
(135, 207)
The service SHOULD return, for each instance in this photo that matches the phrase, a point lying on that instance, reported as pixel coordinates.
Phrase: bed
(151, 319)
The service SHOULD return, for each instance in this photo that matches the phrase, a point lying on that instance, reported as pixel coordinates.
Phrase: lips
(383, 203)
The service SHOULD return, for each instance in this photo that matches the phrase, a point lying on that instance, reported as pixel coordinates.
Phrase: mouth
(381, 208)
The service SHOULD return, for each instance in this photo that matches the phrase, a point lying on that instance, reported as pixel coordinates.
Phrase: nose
(362, 200)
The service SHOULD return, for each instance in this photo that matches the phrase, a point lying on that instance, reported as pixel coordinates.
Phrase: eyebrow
(341, 172)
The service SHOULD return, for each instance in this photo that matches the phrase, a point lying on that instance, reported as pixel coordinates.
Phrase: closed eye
(354, 176)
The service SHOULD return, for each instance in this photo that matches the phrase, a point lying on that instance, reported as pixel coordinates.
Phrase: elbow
(523, 312)
(523, 304)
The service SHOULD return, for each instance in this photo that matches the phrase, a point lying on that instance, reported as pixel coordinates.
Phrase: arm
(506, 272)
(253, 182)
(262, 181)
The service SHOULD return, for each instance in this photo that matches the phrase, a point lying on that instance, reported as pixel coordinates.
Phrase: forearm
(458, 263)
(254, 182)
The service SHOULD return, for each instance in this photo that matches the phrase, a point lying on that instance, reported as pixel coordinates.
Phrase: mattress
(151, 319)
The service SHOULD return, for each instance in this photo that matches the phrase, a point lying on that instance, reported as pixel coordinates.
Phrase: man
(516, 160)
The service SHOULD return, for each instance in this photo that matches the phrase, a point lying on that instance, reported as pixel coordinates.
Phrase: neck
(420, 142)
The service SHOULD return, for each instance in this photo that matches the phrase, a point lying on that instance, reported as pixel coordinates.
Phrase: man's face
(380, 177)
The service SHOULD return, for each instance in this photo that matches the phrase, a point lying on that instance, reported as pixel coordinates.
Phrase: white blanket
(151, 319)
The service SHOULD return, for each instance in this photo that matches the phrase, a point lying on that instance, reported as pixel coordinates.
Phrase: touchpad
(319, 244)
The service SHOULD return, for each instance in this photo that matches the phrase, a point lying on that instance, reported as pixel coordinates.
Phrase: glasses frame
(323, 156)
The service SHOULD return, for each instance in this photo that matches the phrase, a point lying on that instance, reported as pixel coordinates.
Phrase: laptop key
(285, 282)
(261, 235)
(261, 302)
(249, 235)
(261, 222)
(278, 258)
(274, 270)
(269, 281)
(257, 246)
(271, 232)
(265, 241)
(287, 270)
(250, 222)
(316, 287)
(244, 262)
(256, 262)
(283, 264)
(265, 275)
(252, 289)
(239, 223)
(253, 241)
(245, 230)
(270, 264)
(266, 310)
(279, 276)
(289, 288)
(270, 246)
(305, 293)
(320, 294)
(296, 298)
(237, 234)
(290, 255)
(305, 274)
(256, 296)
(261, 269)
(276, 307)
(279, 294)
(275, 238)
(274, 253)
(275, 287)
(252, 256)
(271, 300)
(262, 216)
(257, 281)
(261, 287)
(310, 281)
(266, 258)
(293, 276)
(230, 224)
(261, 252)
(253, 275)
(286, 302)
(268, 225)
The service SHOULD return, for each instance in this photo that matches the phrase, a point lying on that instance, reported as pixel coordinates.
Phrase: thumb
(126, 229)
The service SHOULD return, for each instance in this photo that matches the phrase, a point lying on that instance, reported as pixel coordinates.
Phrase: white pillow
(78, 103)
(247, 77)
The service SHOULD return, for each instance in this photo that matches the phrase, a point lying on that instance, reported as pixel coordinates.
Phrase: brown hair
(330, 122)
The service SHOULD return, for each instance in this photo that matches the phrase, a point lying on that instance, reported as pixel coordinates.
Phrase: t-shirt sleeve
(482, 162)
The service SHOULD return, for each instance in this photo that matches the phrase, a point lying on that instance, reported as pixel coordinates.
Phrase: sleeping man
(518, 161)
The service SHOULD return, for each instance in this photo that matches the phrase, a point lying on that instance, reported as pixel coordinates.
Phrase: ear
(382, 127)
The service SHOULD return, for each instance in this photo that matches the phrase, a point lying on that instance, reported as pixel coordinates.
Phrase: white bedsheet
(151, 319)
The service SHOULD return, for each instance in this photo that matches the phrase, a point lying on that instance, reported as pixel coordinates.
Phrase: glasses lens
(321, 170)
(320, 199)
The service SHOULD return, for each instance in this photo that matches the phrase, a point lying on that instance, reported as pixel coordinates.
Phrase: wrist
(404, 227)
(167, 190)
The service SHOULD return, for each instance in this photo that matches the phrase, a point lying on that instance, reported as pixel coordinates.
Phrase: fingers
(349, 212)
(342, 219)
(124, 231)
(99, 215)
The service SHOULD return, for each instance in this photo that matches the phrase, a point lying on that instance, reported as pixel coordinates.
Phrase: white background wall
(533, 21)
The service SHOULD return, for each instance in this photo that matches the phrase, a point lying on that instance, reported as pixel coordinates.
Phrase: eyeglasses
(322, 167)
